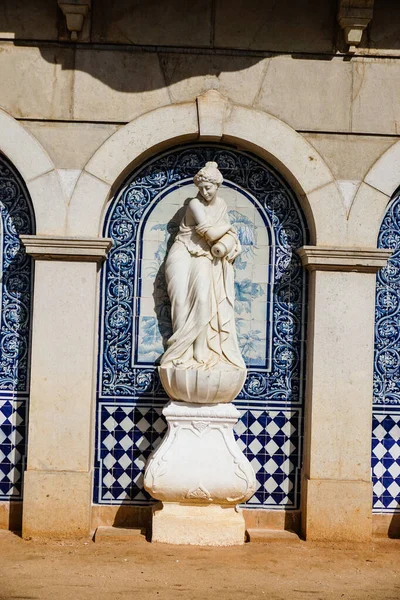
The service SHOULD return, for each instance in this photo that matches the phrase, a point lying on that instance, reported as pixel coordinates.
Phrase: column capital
(333, 258)
(42, 247)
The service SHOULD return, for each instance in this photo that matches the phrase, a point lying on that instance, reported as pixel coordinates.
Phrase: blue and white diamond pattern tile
(128, 433)
(386, 461)
(127, 436)
(271, 441)
(12, 448)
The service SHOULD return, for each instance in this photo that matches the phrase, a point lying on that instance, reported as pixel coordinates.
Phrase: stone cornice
(43, 247)
(333, 258)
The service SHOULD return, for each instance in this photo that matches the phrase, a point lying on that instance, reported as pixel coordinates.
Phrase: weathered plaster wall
(98, 84)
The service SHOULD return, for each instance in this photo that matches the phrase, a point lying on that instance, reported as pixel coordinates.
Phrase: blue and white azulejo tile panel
(126, 436)
(135, 322)
(386, 402)
(386, 461)
(252, 274)
(12, 447)
(16, 217)
(271, 440)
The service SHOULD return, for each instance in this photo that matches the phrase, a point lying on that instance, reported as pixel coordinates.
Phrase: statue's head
(208, 180)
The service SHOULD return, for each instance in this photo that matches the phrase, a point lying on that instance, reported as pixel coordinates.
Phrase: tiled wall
(386, 407)
(270, 288)
(15, 312)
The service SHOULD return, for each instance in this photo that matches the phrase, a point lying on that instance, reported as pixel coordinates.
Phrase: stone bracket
(332, 258)
(353, 17)
(66, 248)
(75, 12)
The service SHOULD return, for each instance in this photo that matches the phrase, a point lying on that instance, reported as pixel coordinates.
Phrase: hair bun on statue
(209, 173)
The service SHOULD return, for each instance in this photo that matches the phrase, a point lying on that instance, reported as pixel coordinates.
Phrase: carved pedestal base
(200, 474)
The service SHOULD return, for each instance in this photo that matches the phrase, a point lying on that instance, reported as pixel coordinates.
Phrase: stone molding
(332, 258)
(184, 411)
(66, 248)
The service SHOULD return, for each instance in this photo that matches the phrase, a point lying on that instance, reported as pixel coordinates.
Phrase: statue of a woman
(200, 280)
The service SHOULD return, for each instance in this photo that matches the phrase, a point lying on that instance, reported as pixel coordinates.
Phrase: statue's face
(207, 190)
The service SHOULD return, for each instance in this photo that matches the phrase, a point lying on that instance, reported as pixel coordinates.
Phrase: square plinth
(211, 525)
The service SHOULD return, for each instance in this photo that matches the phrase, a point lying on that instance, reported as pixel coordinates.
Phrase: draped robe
(201, 291)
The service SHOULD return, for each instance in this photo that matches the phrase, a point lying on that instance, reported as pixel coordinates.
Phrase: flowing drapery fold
(201, 291)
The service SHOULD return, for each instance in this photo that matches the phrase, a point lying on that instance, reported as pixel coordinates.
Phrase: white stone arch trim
(373, 195)
(211, 117)
(38, 172)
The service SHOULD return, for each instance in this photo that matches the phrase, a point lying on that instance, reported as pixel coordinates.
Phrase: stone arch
(38, 172)
(212, 117)
(369, 205)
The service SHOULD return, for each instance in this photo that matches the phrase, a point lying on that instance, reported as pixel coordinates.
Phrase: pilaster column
(58, 480)
(337, 489)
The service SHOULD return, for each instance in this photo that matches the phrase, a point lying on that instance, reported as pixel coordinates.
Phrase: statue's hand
(234, 253)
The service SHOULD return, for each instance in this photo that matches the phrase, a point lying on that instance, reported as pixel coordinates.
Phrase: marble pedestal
(200, 474)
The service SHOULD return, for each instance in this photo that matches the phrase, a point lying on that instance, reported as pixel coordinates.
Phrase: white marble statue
(200, 279)
(198, 471)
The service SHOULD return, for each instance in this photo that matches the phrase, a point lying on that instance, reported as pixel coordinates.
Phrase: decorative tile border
(16, 271)
(387, 313)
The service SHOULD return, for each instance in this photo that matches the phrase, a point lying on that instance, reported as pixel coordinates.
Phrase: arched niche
(386, 401)
(271, 296)
(16, 286)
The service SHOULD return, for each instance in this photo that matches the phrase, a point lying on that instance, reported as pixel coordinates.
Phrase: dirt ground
(31, 570)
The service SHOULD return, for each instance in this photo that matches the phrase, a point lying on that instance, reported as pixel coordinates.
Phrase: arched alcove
(386, 402)
(134, 320)
(16, 283)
